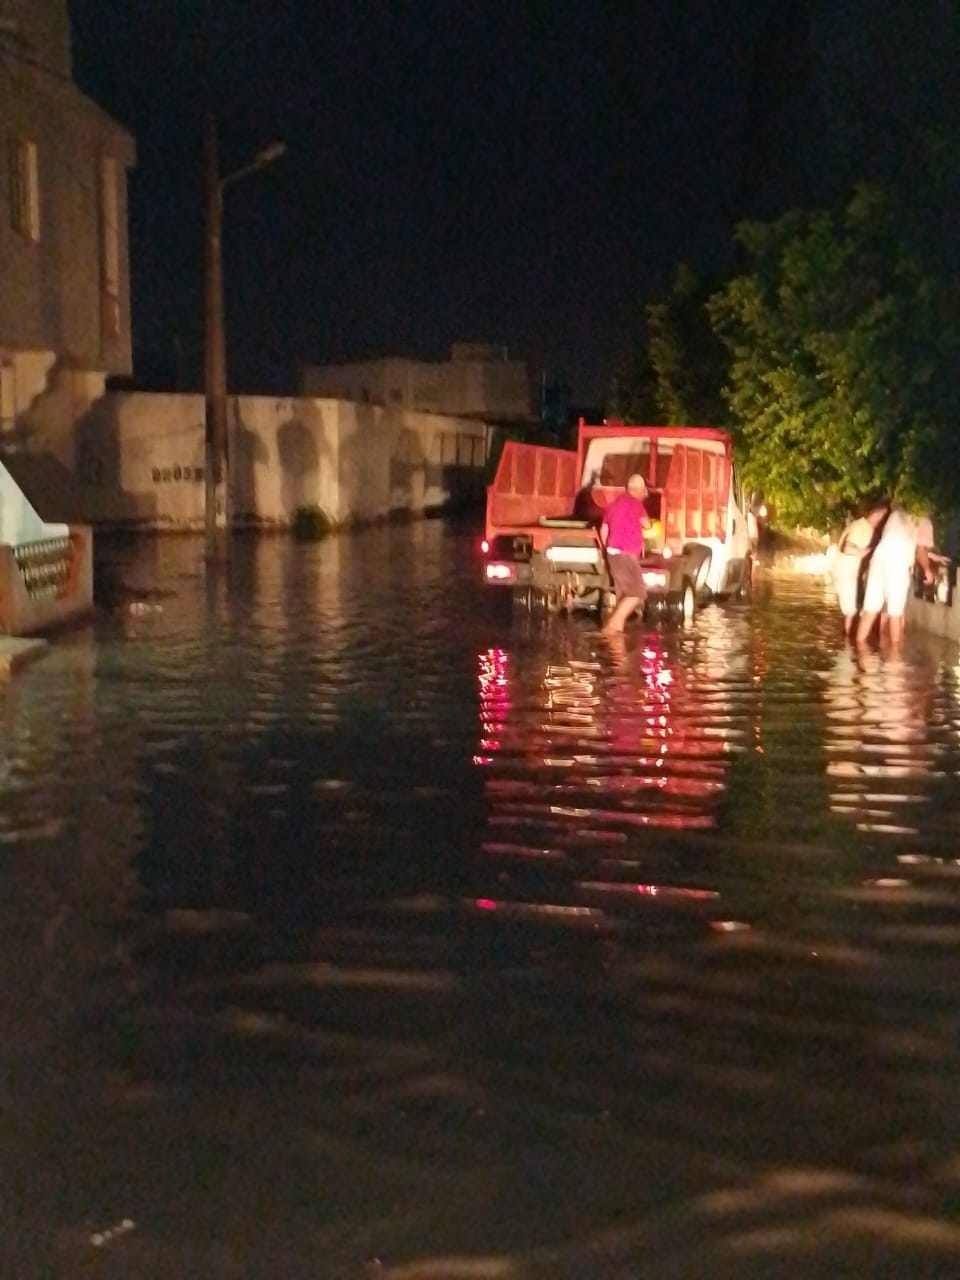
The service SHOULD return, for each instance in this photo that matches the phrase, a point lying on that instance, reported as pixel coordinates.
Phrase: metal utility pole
(216, 460)
(215, 364)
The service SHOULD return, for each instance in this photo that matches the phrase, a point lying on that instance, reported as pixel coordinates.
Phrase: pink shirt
(624, 520)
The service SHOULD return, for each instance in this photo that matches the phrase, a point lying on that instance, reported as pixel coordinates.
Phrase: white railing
(45, 567)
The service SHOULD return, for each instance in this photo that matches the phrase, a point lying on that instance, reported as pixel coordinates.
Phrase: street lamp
(216, 508)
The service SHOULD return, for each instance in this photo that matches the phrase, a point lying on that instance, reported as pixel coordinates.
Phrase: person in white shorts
(905, 540)
(852, 549)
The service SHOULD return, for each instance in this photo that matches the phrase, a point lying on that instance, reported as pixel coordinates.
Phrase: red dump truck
(545, 506)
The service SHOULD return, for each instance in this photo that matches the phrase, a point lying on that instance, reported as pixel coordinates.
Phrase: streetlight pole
(215, 363)
(216, 453)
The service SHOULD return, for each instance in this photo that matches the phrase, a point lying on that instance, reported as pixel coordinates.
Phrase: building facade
(477, 381)
(64, 260)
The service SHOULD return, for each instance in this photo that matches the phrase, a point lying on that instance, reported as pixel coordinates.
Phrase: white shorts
(846, 581)
(888, 582)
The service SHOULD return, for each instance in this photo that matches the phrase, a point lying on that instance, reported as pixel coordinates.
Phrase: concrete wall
(139, 459)
(52, 302)
(46, 585)
(939, 619)
(40, 29)
(48, 399)
(477, 381)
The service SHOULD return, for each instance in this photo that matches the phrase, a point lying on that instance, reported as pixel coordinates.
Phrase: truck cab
(545, 507)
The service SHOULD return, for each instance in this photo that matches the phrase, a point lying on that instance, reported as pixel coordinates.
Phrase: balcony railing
(943, 587)
(45, 567)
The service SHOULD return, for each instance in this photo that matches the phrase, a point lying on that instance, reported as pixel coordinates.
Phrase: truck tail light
(484, 546)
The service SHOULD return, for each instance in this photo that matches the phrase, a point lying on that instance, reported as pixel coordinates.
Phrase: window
(109, 249)
(618, 467)
(24, 189)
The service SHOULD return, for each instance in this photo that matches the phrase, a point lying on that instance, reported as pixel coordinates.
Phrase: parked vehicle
(545, 506)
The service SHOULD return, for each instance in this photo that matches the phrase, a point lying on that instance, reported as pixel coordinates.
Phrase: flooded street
(352, 927)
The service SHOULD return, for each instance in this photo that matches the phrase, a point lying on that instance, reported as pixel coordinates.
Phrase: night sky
(517, 171)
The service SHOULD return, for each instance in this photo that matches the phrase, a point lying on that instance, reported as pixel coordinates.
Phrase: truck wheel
(683, 603)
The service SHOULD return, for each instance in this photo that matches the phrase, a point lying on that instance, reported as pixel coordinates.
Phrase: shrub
(311, 523)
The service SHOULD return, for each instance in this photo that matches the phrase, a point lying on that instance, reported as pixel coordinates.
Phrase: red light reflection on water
(494, 686)
(646, 732)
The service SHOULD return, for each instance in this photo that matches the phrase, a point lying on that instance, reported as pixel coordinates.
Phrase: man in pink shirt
(622, 534)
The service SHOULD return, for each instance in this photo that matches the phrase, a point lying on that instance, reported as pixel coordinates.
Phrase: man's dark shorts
(627, 577)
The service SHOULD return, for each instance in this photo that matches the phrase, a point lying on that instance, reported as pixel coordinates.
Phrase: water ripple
(370, 931)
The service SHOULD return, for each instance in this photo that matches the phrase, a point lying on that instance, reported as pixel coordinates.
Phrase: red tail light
(484, 546)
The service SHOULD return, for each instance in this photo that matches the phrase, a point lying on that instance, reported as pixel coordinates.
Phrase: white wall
(140, 458)
(19, 523)
(48, 399)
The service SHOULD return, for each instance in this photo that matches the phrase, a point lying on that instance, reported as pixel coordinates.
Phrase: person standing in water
(904, 542)
(622, 534)
(854, 547)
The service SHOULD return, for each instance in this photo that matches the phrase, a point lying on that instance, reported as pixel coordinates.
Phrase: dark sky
(517, 171)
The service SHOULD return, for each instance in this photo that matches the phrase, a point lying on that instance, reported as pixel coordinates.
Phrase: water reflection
(886, 751)
(587, 747)
(366, 928)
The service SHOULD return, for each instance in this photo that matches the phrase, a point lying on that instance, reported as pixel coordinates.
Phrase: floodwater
(350, 927)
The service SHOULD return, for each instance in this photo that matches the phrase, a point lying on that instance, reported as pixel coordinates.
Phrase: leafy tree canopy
(843, 346)
(675, 374)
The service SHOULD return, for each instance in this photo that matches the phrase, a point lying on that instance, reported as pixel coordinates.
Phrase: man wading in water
(905, 541)
(622, 534)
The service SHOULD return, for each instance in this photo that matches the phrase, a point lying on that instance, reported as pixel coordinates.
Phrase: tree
(632, 393)
(687, 360)
(675, 374)
(843, 347)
